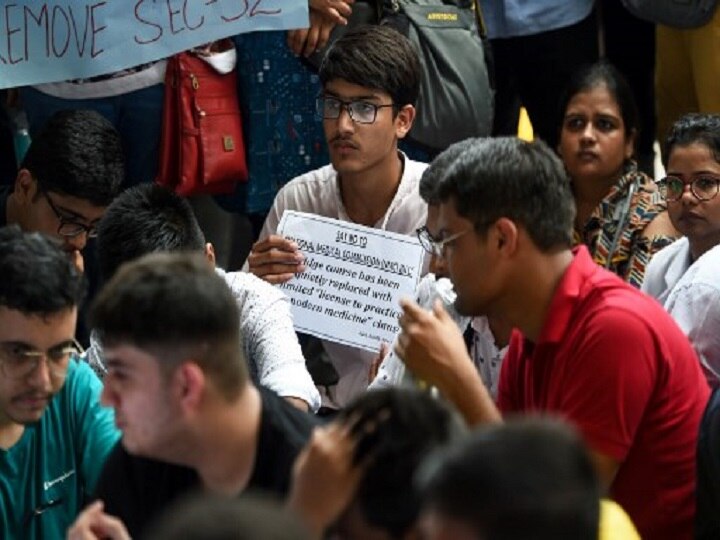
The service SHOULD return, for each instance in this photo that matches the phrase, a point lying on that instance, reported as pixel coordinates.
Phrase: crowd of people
(553, 375)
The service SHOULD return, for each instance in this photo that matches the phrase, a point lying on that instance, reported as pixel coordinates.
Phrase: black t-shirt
(5, 192)
(137, 489)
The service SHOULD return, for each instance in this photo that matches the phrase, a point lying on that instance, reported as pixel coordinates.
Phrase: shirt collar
(679, 264)
(568, 292)
(399, 195)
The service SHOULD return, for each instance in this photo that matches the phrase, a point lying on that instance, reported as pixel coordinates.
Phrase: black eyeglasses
(360, 111)
(703, 188)
(69, 227)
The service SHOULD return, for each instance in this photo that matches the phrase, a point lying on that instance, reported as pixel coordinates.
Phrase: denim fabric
(283, 136)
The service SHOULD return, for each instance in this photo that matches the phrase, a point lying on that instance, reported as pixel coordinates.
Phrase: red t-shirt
(614, 363)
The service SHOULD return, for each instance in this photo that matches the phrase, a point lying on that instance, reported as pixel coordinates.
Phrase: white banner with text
(48, 40)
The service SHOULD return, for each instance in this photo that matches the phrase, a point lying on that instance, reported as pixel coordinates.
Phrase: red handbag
(202, 150)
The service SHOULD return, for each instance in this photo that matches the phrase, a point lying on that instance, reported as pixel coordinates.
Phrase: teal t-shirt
(48, 475)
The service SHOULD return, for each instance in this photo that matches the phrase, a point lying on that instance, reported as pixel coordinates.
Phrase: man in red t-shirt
(586, 347)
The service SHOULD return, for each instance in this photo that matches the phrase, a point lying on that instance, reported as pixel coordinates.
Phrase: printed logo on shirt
(50, 483)
(435, 16)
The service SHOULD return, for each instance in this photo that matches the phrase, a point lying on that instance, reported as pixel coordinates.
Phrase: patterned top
(632, 251)
(274, 357)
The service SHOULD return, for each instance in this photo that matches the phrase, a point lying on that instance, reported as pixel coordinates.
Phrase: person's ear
(189, 384)
(505, 233)
(26, 186)
(630, 144)
(210, 253)
(404, 120)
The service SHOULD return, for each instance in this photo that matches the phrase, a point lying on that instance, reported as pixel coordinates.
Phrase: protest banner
(354, 277)
(49, 41)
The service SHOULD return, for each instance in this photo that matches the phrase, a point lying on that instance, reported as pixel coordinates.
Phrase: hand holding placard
(275, 259)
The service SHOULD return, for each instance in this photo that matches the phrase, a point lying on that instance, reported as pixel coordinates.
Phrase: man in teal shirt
(54, 434)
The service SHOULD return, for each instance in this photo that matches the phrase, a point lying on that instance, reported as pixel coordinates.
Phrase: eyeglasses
(68, 227)
(433, 246)
(18, 361)
(704, 187)
(360, 111)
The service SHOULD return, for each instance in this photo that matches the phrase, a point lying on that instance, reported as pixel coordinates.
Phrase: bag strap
(393, 6)
(378, 6)
(622, 222)
(479, 19)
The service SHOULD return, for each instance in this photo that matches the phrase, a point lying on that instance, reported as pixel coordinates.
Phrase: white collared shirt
(318, 192)
(690, 292)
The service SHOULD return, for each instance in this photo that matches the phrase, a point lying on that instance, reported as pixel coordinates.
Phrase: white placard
(354, 277)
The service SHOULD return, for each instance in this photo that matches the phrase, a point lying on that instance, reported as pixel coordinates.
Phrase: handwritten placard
(48, 41)
(354, 277)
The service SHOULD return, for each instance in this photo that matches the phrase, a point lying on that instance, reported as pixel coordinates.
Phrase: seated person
(71, 172)
(355, 478)
(685, 276)
(149, 218)
(586, 345)
(54, 435)
(487, 340)
(621, 217)
(370, 80)
(524, 479)
(178, 380)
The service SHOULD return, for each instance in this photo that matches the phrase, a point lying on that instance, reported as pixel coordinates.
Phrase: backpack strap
(622, 222)
(479, 19)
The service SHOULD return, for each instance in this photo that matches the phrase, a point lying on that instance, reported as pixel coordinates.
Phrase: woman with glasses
(620, 214)
(685, 276)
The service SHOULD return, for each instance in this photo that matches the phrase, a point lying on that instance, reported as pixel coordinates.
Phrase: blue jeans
(137, 116)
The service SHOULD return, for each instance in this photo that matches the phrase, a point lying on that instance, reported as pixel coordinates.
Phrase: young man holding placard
(370, 81)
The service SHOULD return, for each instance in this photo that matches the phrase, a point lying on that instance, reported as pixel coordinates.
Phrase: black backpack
(456, 98)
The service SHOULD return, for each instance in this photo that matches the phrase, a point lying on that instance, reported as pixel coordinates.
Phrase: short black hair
(602, 74)
(508, 177)
(77, 153)
(528, 478)
(145, 219)
(438, 168)
(376, 57)
(38, 278)
(212, 517)
(169, 302)
(399, 428)
(694, 128)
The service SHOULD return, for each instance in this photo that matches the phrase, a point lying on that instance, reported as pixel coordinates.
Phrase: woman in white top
(685, 276)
